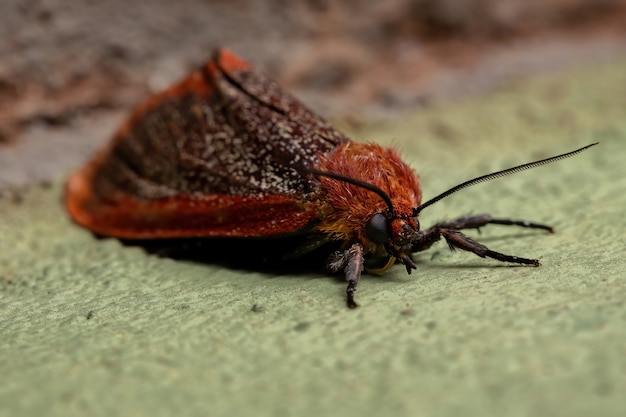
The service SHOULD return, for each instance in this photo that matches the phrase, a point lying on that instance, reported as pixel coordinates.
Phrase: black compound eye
(417, 223)
(377, 229)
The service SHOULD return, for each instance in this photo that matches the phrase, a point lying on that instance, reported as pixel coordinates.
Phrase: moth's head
(391, 230)
(390, 237)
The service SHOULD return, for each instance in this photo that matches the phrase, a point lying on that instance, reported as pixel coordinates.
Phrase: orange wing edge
(185, 216)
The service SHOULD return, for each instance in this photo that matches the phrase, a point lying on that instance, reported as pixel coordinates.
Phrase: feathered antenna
(497, 174)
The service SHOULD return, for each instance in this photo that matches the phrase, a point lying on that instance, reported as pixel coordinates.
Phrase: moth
(226, 153)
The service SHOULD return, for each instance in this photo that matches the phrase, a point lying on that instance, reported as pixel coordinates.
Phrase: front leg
(457, 239)
(449, 230)
(351, 261)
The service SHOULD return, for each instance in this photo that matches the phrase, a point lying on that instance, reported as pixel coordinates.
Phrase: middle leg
(478, 221)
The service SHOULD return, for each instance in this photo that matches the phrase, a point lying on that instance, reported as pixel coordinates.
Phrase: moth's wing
(210, 156)
(265, 111)
(186, 216)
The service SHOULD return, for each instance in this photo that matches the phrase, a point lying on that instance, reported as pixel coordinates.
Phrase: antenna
(498, 174)
(356, 182)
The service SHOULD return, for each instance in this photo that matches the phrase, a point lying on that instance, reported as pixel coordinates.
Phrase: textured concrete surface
(90, 327)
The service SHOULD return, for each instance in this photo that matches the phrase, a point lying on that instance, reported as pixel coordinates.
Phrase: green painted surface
(89, 327)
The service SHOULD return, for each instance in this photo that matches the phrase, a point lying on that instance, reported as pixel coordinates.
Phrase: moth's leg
(351, 261)
(426, 238)
(476, 222)
(404, 256)
(455, 239)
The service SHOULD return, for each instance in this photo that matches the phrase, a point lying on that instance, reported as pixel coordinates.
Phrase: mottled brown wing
(210, 156)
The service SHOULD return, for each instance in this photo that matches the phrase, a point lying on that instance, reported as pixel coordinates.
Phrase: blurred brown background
(70, 70)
